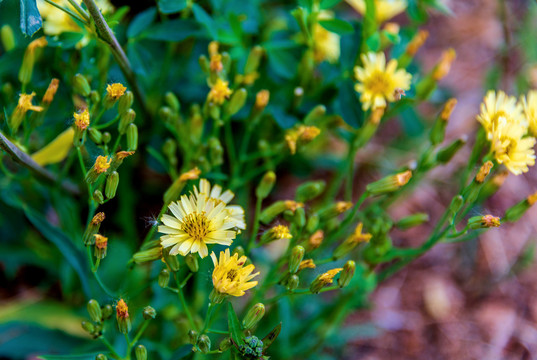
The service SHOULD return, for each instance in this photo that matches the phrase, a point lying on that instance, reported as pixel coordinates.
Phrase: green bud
(112, 183)
(216, 152)
(253, 316)
(297, 254)
(193, 336)
(298, 95)
(389, 184)
(204, 63)
(239, 250)
(334, 210)
(254, 57)
(204, 344)
(8, 39)
(107, 311)
(88, 327)
(214, 113)
(81, 85)
(313, 223)
(172, 101)
(346, 274)
(226, 61)
(309, 190)
(150, 254)
(265, 185)
(94, 311)
(98, 196)
(169, 148)
(483, 222)
(126, 118)
(141, 352)
(107, 137)
(101, 357)
(237, 101)
(125, 102)
(272, 211)
(517, 211)
(444, 155)
(171, 260)
(166, 114)
(149, 313)
(132, 137)
(94, 96)
(439, 128)
(164, 278)
(95, 135)
(412, 220)
(192, 262)
(299, 218)
(456, 204)
(225, 344)
(315, 115)
(292, 282)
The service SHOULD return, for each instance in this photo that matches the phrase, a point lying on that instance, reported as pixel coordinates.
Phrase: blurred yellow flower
(82, 120)
(25, 103)
(378, 82)
(500, 105)
(384, 9)
(102, 163)
(230, 276)
(530, 109)
(325, 43)
(219, 92)
(115, 90)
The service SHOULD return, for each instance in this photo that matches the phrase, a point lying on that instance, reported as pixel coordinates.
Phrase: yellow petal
(56, 150)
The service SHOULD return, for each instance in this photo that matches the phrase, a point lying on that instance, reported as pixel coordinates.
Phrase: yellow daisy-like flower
(82, 120)
(116, 90)
(235, 212)
(500, 105)
(230, 276)
(102, 163)
(384, 9)
(530, 110)
(220, 91)
(325, 43)
(196, 222)
(378, 82)
(25, 103)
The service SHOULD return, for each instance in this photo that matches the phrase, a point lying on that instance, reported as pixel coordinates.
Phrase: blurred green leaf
(173, 30)
(203, 18)
(348, 104)
(271, 336)
(373, 42)
(171, 6)
(90, 356)
(141, 22)
(234, 325)
(337, 26)
(30, 19)
(327, 4)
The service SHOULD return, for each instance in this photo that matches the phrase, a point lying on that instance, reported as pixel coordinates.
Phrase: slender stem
(81, 161)
(96, 275)
(183, 284)
(67, 11)
(184, 304)
(210, 311)
(230, 146)
(214, 331)
(255, 228)
(80, 10)
(139, 333)
(129, 347)
(110, 348)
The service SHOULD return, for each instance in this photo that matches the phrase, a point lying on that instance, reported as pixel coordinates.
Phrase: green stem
(214, 331)
(81, 161)
(139, 333)
(110, 348)
(184, 304)
(255, 228)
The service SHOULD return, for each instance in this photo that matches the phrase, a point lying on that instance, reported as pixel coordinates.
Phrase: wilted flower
(230, 276)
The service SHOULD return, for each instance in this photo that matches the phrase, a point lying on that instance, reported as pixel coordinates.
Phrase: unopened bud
(171, 260)
(216, 152)
(204, 63)
(239, 250)
(192, 262)
(94, 311)
(51, 91)
(347, 274)
(112, 183)
(417, 42)
(95, 135)
(252, 63)
(225, 344)
(164, 278)
(443, 67)
(132, 137)
(315, 115)
(517, 211)
(412, 220)
(262, 99)
(122, 316)
(389, 183)
(292, 282)
(141, 352)
(439, 128)
(309, 190)
(484, 171)
(204, 344)
(483, 222)
(88, 327)
(237, 101)
(456, 204)
(81, 85)
(101, 357)
(107, 311)
(93, 228)
(8, 39)
(106, 137)
(149, 313)
(98, 196)
(316, 239)
(94, 96)
(151, 254)
(265, 185)
(269, 213)
(125, 102)
(126, 118)
(172, 101)
(253, 316)
(297, 254)
(334, 210)
(193, 336)
(312, 223)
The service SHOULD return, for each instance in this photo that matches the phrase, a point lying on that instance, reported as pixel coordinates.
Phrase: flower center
(196, 225)
(231, 274)
(378, 82)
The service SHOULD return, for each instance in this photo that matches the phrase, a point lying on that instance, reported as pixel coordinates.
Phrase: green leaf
(203, 18)
(141, 22)
(234, 325)
(337, 26)
(373, 43)
(327, 4)
(348, 105)
(171, 6)
(173, 30)
(30, 20)
(269, 339)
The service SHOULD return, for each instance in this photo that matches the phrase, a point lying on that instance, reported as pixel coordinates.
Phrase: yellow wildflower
(378, 81)
(293, 205)
(262, 99)
(328, 276)
(342, 206)
(316, 239)
(219, 92)
(358, 236)
(230, 276)
(25, 103)
(216, 63)
(417, 42)
(500, 105)
(530, 109)
(484, 171)
(122, 310)
(444, 65)
(102, 163)
(489, 221)
(82, 120)
(191, 174)
(51, 91)
(325, 43)
(306, 264)
(303, 133)
(384, 9)
(98, 218)
(115, 90)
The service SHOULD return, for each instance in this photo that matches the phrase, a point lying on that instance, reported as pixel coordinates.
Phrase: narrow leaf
(269, 339)
(234, 325)
(141, 22)
(337, 26)
(30, 20)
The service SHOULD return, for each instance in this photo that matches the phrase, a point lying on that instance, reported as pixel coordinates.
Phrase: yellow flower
(306, 264)
(378, 82)
(216, 63)
(328, 276)
(316, 239)
(262, 99)
(82, 120)
(500, 105)
(51, 91)
(102, 163)
(384, 9)
(230, 276)
(122, 310)
(530, 109)
(325, 43)
(116, 90)
(56, 150)
(235, 212)
(303, 133)
(219, 92)
(196, 222)
(191, 174)
(25, 103)
(358, 236)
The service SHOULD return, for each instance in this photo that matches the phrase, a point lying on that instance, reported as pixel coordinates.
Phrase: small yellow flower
(115, 90)
(378, 81)
(281, 232)
(306, 264)
(384, 9)
(342, 206)
(444, 65)
(417, 42)
(82, 120)
(122, 310)
(530, 109)
(191, 174)
(500, 105)
(219, 92)
(448, 109)
(303, 133)
(325, 43)
(293, 205)
(51, 91)
(98, 218)
(102, 163)
(123, 154)
(235, 212)
(358, 236)
(216, 63)
(316, 239)
(262, 99)
(403, 178)
(230, 276)
(489, 221)
(25, 103)
(328, 276)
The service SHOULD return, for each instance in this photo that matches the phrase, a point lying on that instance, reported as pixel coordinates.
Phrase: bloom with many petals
(530, 110)
(235, 212)
(325, 43)
(384, 9)
(378, 82)
(230, 276)
(220, 91)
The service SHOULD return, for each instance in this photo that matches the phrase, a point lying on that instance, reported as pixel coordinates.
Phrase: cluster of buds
(98, 315)
(302, 133)
(93, 228)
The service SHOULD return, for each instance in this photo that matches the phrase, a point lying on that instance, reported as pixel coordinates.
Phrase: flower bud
(297, 254)
(132, 137)
(316, 239)
(118, 158)
(216, 152)
(253, 316)
(8, 39)
(412, 220)
(225, 344)
(93, 228)
(98, 196)
(101, 165)
(237, 101)
(94, 311)
(112, 183)
(107, 311)
(352, 241)
(272, 211)
(312, 223)
(347, 274)
(81, 85)
(122, 316)
(192, 262)
(141, 352)
(172, 101)
(277, 232)
(164, 278)
(113, 93)
(88, 327)
(445, 154)
(101, 357)
(94, 96)
(204, 344)
(334, 210)
(483, 222)
(309, 190)
(95, 135)
(315, 115)
(106, 137)
(150, 254)
(299, 218)
(389, 184)
(254, 57)
(204, 63)
(149, 313)
(265, 185)
(126, 118)
(439, 128)
(101, 246)
(444, 65)
(417, 42)
(484, 171)
(51, 91)
(262, 99)
(166, 114)
(193, 336)
(517, 211)
(323, 280)
(125, 103)
(171, 260)
(456, 204)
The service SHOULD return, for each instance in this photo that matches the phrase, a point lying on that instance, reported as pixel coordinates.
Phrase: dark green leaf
(327, 4)
(171, 6)
(234, 325)
(203, 18)
(30, 20)
(373, 43)
(282, 118)
(269, 339)
(348, 105)
(141, 22)
(282, 63)
(173, 30)
(337, 26)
